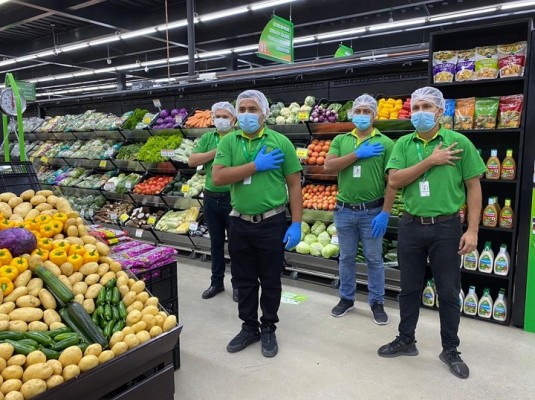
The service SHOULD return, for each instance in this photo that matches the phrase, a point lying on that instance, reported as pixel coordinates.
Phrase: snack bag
(510, 111)
(444, 66)
(486, 112)
(486, 62)
(512, 59)
(464, 113)
(449, 112)
(466, 65)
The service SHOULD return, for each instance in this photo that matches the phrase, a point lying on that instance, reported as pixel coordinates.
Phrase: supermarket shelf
(498, 181)
(317, 172)
(311, 216)
(291, 129)
(143, 234)
(488, 131)
(469, 316)
(311, 262)
(181, 242)
(328, 128)
(498, 229)
(492, 275)
(484, 82)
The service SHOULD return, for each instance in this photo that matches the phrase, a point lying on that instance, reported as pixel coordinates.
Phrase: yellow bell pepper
(5, 224)
(47, 230)
(61, 217)
(9, 272)
(5, 257)
(45, 244)
(58, 256)
(44, 219)
(20, 263)
(63, 245)
(43, 253)
(36, 234)
(77, 249)
(6, 285)
(34, 224)
(76, 261)
(57, 226)
(91, 256)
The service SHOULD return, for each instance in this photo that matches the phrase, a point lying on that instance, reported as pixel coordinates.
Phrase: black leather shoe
(212, 291)
(235, 295)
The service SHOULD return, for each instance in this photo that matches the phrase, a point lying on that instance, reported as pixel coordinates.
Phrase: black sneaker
(235, 295)
(212, 291)
(269, 343)
(242, 340)
(379, 314)
(452, 358)
(398, 348)
(342, 308)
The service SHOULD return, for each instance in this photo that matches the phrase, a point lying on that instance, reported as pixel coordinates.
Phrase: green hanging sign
(343, 51)
(27, 89)
(529, 312)
(276, 41)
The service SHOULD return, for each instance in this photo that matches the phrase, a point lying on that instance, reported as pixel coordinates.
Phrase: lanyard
(364, 141)
(217, 139)
(421, 158)
(248, 157)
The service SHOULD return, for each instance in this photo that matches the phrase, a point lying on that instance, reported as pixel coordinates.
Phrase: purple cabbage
(159, 121)
(175, 111)
(164, 113)
(18, 241)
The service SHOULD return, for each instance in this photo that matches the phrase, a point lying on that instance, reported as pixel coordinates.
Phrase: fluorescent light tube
(223, 14)
(246, 48)
(460, 14)
(108, 39)
(83, 73)
(397, 24)
(267, 4)
(215, 53)
(139, 32)
(127, 66)
(46, 79)
(104, 70)
(516, 4)
(173, 25)
(46, 53)
(74, 47)
(7, 62)
(341, 33)
(26, 58)
(304, 39)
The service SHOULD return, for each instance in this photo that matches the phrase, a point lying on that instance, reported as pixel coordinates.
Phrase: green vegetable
(303, 248)
(109, 294)
(115, 313)
(119, 325)
(82, 319)
(11, 335)
(49, 353)
(108, 313)
(111, 283)
(109, 327)
(122, 310)
(64, 336)
(151, 151)
(66, 318)
(95, 318)
(62, 345)
(101, 299)
(330, 250)
(20, 347)
(58, 331)
(116, 295)
(134, 119)
(39, 337)
(55, 286)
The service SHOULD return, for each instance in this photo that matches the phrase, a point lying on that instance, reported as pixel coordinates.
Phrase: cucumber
(21, 348)
(62, 345)
(82, 319)
(122, 310)
(55, 286)
(116, 295)
(58, 331)
(29, 342)
(49, 353)
(101, 299)
(39, 337)
(11, 335)
(66, 318)
(67, 335)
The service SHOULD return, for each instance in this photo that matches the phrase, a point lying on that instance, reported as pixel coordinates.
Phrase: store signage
(27, 89)
(343, 51)
(301, 153)
(157, 103)
(276, 42)
(529, 313)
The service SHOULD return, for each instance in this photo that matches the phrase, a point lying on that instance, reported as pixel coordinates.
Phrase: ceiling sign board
(343, 51)
(27, 89)
(276, 41)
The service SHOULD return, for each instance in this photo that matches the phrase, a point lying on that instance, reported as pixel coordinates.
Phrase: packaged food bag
(486, 112)
(444, 63)
(512, 59)
(486, 62)
(449, 112)
(510, 111)
(466, 65)
(464, 114)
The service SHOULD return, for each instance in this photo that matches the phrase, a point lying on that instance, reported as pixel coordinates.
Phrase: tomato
(320, 160)
(325, 148)
(314, 154)
(317, 149)
(311, 160)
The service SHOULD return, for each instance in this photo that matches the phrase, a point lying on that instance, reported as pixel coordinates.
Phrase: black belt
(255, 219)
(430, 220)
(362, 206)
(208, 193)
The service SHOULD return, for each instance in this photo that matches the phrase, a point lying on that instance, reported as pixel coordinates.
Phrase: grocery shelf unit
(500, 139)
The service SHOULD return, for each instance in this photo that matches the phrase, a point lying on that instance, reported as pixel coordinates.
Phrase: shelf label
(167, 153)
(139, 233)
(200, 168)
(151, 220)
(82, 213)
(44, 159)
(334, 239)
(91, 212)
(128, 185)
(103, 164)
(303, 115)
(157, 103)
(124, 217)
(301, 153)
(193, 226)
(109, 187)
(184, 188)
(113, 216)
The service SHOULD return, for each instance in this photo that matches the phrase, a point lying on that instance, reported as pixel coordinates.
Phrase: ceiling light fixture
(84, 73)
(214, 53)
(268, 4)
(7, 62)
(304, 39)
(341, 33)
(73, 47)
(223, 14)
(26, 58)
(104, 40)
(46, 53)
(517, 4)
(476, 11)
(391, 25)
(173, 25)
(140, 32)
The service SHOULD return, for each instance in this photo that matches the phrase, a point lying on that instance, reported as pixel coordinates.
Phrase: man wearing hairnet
(439, 171)
(216, 207)
(262, 169)
(363, 205)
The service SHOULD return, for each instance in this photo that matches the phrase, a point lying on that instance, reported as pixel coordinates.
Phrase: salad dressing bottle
(502, 261)
(506, 215)
(499, 311)
(485, 307)
(493, 165)
(486, 260)
(428, 295)
(471, 302)
(490, 214)
(508, 169)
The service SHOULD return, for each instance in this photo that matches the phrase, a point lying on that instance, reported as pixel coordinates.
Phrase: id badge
(247, 181)
(357, 171)
(424, 189)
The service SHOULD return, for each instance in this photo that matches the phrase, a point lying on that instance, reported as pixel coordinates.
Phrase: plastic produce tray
(16, 177)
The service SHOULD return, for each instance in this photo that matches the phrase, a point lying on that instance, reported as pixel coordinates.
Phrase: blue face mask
(423, 121)
(249, 122)
(362, 121)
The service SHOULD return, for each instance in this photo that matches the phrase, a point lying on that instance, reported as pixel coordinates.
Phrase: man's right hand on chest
(368, 150)
(269, 161)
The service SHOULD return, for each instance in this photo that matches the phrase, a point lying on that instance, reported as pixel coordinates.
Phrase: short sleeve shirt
(208, 142)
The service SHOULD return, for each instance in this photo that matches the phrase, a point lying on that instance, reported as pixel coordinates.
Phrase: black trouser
(216, 214)
(441, 243)
(257, 256)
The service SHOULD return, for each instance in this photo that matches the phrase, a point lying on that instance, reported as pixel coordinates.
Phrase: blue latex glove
(267, 162)
(292, 236)
(367, 150)
(379, 224)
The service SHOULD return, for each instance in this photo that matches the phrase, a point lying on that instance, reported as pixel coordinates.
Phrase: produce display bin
(16, 177)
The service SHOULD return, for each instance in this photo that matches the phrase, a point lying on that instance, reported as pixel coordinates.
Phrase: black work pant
(216, 211)
(257, 256)
(439, 242)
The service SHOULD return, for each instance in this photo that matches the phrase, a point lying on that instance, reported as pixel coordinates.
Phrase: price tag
(128, 185)
(178, 119)
(91, 212)
(44, 160)
(157, 103)
(103, 164)
(113, 216)
(139, 233)
(82, 213)
(184, 188)
(151, 220)
(200, 167)
(303, 115)
(124, 217)
(334, 239)
(109, 187)
(301, 153)
(193, 226)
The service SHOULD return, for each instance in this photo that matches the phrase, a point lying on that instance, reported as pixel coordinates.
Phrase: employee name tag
(357, 169)
(424, 189)
(247, 181)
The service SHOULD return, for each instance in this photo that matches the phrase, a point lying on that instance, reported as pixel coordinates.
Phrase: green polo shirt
(364, 180)
(446, 182)
(206, 143)
(267, 189)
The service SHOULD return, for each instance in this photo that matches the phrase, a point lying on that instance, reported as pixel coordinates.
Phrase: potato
(56, 366)
(45, 193)
(105, 356)
(89, 240)
(152, 310)
(15, 294)
(143, 336)
(121, 281)
(19, 359)
(37, 199)
(119, 348)
(52, 268)
(18, 326)
(129, 298)
(48, 301)
(159, 320)
(93, 291)
(22, 209)
(79, 288)
(152, 301)
(50, 316)
(27, 194)
(88, 362)
(142, 297)
(102, 269)
(10, 385)
(28, 301)
(56, 325)
(37, 326)
(89, 268)
(16, 218)
(131, 282)
(93, 349)
(58, 236)
(131, 340)
(70, 371)
(79, 298)
(53, 381)
(34, 286)
(62, 205)
(72, 231)
(3, 364)
(138, 287)
(139, 326)
(121, 273)
(169, 323)
(4, 317)
(89, 305)
(107, 277)
(65, 281)
(133, 317)
(115, 266)
(70, 356)
(136, 305)
(149, 321)
(5, 210)
(127, 330)
(35, 357)
(12, 372)
(102, 249)
(6, 351)
(37, 371)
(76, 277)
(43, 207)
(75, 241)
(92, 279)
(32, 215)
(14, 396)
(23, 278)
(32, 388)
(52, 200)
(14, 202)
(4, 325)
(67, 269)
(124, 290)
(26, 314)
(82, 230)
(116, 338)
(5, 197)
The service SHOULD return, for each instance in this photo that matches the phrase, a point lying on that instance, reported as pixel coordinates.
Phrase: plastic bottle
(461, 300)
(484, 309)
(508, 169)
(490, 214)
(428, 295)
(497, 205)
(502, 261)
(486, 259)
(471, 302)
(493, 166)
(462, 213)
(499, 311)
(471, 260)
(506, 215)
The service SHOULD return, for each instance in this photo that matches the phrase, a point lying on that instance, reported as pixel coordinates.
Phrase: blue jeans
(352, 226)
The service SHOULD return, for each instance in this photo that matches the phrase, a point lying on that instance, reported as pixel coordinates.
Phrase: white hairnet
(224, 105)
(429, 94)
(258, 97)
(367, 101)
